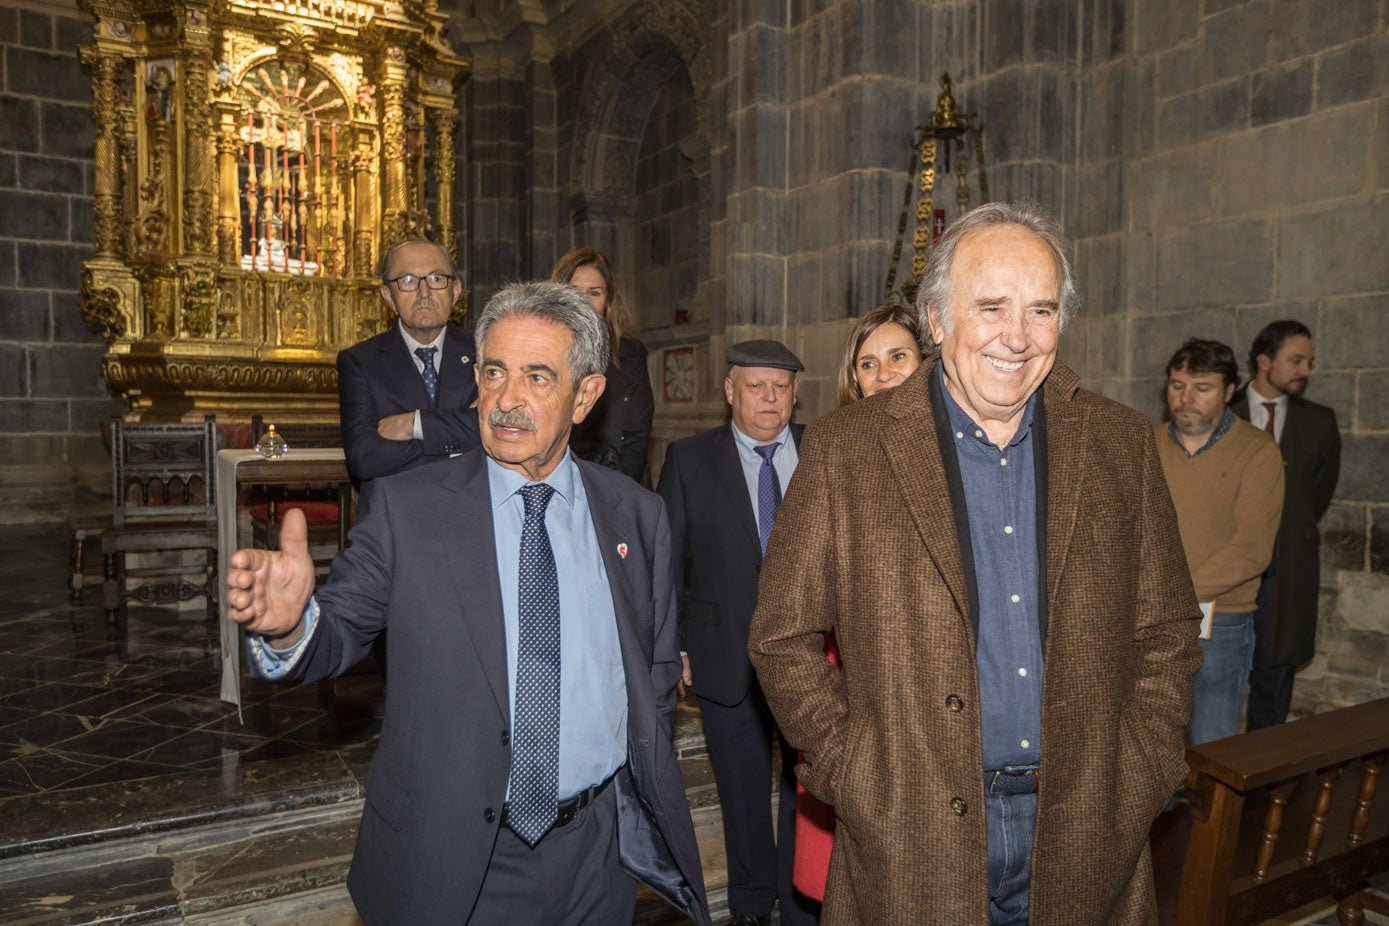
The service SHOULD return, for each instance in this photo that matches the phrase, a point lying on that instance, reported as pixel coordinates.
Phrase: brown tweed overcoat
(865, 545)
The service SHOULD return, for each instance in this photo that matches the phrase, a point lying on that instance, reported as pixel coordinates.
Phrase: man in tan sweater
(1226, 479)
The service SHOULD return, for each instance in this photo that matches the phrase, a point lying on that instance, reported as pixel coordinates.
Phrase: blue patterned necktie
(768, 493)
(534, 785)
(429, 374)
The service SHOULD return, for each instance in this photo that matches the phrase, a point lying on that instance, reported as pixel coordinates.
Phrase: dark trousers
(1270, 696)
(759, 866)
(571, 878)
(1270, 687)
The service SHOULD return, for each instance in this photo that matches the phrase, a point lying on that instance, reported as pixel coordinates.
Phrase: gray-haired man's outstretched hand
(267, 590)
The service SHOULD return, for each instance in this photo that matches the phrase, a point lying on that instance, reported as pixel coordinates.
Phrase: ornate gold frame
(193, 327)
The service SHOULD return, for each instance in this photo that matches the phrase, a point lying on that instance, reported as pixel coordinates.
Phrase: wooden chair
(164, 499)
(1286, 815)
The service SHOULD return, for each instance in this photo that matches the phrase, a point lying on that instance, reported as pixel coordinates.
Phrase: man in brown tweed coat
(1018, 641)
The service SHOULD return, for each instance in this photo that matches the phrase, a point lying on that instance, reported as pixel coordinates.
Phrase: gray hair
(935, 289)
(559, 304)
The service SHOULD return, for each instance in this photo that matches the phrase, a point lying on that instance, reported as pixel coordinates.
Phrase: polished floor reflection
(82, 704)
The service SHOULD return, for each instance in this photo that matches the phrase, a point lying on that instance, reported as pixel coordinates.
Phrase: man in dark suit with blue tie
(525, 773)
(405, 396)
(723, 488)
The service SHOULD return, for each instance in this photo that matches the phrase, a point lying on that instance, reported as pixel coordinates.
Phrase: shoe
(764, 920)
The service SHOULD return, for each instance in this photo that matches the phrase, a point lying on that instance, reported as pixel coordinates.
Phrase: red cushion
(317, 513)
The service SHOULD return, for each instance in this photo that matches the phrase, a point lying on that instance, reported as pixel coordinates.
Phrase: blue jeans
(1011, 819)
(1218, 689)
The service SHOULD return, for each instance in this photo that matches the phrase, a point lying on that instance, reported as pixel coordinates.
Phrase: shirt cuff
(272, 663)
(419, 428)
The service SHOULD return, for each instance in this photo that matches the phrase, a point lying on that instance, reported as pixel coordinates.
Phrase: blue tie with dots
(768, 493)
(429, 374)
(534, 786)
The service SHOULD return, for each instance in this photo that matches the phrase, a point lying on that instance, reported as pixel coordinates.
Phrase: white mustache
(512, 419)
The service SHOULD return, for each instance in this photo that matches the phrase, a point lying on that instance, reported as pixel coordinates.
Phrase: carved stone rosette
(251, 159)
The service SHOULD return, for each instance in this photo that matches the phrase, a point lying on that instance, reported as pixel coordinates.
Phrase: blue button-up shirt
(783, 462)
(1227, 421)
(1000, 488)
(593, 688)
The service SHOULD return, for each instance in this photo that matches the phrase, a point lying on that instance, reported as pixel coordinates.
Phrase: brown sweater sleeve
(1258, 508)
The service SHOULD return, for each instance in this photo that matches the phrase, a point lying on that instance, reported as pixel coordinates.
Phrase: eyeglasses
(408, 282)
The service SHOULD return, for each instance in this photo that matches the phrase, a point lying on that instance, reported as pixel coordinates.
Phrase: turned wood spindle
(1273, 822)
(1316, 829)
(1365, 799)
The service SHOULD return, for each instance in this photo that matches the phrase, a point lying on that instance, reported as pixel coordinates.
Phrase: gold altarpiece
(253, 157)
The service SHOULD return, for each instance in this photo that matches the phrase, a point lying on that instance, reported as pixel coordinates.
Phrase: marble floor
(82, 704)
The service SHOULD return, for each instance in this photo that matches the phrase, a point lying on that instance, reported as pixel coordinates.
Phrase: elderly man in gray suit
(525, 772)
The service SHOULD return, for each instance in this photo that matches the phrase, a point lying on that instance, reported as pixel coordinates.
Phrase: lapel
(728, 473)
(398, 366)
(614, 525)
(470, 550)
(914, 457)
(1066, 447)
(455, 369)
(1294, 428)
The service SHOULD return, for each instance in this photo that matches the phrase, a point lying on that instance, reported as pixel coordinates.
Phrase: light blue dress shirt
(593, 686)
(783, 461)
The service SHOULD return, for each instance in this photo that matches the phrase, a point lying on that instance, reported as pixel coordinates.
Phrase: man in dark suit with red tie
(723, 488)
(1285, 620)
(405, 396)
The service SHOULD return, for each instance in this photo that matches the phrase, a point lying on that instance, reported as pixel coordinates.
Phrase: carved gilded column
(106, 72)
(391, 84)
(445, 124)
(228, 196)
(364, 182)
(199, 183)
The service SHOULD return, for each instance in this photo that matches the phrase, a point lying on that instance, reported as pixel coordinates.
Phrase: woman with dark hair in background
(885, 348)
(617, 431)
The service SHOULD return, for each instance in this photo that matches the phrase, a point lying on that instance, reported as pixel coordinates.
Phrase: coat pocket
(387, 799)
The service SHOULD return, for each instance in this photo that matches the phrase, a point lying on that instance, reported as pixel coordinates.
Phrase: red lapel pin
(622, 550)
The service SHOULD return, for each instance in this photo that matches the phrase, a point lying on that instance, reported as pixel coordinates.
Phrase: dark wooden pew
(1286, 815)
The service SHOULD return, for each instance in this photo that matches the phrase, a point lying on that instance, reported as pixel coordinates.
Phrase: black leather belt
(569, 807)
(1011, 781)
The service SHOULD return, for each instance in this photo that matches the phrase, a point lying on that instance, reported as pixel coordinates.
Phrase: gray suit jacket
(422, 559)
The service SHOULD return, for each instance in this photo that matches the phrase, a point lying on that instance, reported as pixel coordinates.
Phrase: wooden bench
(1283, 816)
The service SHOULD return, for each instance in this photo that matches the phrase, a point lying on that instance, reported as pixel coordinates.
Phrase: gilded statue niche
(252, 161)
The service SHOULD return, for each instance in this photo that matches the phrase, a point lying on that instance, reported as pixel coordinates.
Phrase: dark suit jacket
(377, 378)
(617, 430)
(866, 545)
(422, 559)
(711, 517)
(1286, 620)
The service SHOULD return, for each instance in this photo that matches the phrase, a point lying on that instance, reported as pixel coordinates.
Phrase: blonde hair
(886, 313)
(615, 315)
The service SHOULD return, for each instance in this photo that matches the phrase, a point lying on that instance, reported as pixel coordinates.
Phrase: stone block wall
(668, 214)
(52, 395)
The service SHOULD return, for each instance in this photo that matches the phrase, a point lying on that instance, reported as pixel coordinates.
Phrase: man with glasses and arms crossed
(406, 396)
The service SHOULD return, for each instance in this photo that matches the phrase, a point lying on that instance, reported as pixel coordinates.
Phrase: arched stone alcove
(639, 173)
